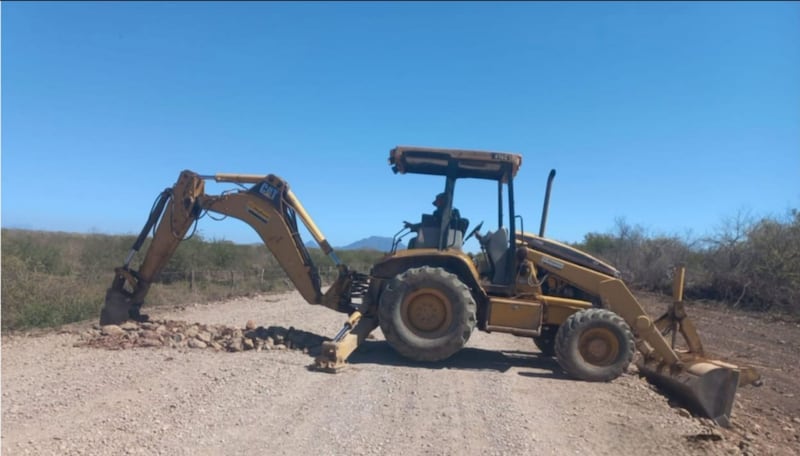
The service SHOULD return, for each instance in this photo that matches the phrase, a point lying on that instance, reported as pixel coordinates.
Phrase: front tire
(426, 314)
(594, 345)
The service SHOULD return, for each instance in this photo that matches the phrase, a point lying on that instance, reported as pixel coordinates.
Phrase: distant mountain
(379, 243)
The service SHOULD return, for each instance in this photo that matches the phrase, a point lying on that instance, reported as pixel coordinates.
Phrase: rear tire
(426, 314)
(594, 345)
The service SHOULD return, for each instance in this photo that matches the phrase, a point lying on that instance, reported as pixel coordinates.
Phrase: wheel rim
(427, 312)
(599, 347)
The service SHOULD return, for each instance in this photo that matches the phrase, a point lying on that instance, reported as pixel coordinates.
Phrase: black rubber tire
(546, 342)
(594, 328)
(422, 292)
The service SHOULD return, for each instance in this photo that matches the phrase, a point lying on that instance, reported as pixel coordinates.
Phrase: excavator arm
(268, 206)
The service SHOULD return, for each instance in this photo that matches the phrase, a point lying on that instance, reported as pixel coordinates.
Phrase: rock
(150, 342)
(250, 324)
(796, 420)
(204, 336)
(684, 413)
(112, 330)
(236, 345)
(216, 346)
(129, 326)
(149, 334)
(248, 344)
(192, 331)
(194, 343)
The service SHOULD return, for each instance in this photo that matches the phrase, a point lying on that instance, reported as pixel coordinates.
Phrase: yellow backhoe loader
(428, 299)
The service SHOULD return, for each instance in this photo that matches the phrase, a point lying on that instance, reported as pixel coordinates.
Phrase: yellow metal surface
(309, 223)
(269, 208)
(275, 233)
(599, 346)
(513, 313)
(558, 309)
(487, 164)
(427, 312)
(334, 354)
(239, 178)
(677, 284)
(436, 256)
(708, 386)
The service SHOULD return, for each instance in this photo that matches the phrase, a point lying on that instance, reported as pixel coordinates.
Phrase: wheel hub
(427, 312)
(599, 347)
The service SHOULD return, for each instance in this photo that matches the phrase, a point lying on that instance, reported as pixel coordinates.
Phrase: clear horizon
(672, 116)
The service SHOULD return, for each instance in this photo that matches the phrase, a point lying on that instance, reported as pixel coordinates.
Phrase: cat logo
(269, 191)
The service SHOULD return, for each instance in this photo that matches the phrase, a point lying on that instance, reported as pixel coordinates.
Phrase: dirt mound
(181, 334)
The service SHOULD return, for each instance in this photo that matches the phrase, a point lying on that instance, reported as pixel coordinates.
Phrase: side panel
(522, 318)
(557, 309)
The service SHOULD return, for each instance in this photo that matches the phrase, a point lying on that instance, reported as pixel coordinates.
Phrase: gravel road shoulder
(497, 396)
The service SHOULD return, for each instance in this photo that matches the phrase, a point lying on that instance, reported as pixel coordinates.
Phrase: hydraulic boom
(269, 207)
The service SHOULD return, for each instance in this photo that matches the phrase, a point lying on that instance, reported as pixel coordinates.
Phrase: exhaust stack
(546, 205)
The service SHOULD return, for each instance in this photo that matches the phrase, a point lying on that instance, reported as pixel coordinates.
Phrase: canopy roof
(458, 163)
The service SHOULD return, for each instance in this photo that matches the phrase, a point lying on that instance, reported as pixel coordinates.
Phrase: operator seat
(497, 251)
(428, 233)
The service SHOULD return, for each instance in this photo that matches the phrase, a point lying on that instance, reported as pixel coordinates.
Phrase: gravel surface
(75, 390)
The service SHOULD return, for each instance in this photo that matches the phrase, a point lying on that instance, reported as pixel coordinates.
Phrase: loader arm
(706, 385)
(268, 206)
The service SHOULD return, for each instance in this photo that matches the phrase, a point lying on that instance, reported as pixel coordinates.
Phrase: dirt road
(498, 396)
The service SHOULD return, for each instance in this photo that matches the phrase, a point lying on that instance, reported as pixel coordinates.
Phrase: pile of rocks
(179, 334)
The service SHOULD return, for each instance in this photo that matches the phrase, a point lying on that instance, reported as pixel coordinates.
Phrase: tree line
(51, 278)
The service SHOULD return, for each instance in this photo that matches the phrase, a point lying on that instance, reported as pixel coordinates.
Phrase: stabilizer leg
(335, 353)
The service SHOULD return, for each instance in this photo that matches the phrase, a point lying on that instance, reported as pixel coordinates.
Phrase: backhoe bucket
(116, 308)
(706, 388)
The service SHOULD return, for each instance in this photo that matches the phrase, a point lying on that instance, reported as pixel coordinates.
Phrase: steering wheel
(474, 232)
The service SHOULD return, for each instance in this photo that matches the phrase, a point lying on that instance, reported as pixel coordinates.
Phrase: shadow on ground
(221, 338)
(469, 358)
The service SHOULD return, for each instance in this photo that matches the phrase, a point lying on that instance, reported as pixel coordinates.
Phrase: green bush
(53, 278)
(747, 263)
(50, 279)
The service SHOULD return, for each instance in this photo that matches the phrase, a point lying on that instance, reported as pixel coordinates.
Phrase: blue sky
(670, 115)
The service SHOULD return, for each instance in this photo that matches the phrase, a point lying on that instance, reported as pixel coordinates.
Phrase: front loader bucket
(706, 388)
(116, 308)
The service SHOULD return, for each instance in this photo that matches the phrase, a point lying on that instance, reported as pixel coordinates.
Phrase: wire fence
(235, 277)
